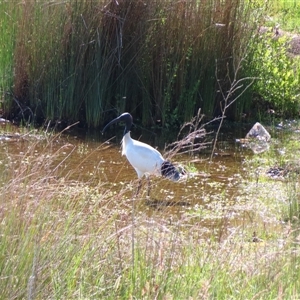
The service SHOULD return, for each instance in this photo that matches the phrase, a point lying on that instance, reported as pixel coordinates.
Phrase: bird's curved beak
(110, 123)
(126, 118)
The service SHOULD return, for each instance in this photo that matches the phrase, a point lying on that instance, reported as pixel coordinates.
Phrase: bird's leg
(138, 188)
(149, 186)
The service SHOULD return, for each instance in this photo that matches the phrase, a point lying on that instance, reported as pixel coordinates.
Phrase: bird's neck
(126, 141)
(128, 124)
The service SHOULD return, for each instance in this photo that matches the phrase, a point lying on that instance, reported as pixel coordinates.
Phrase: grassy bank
(64, 239)
(286, 14)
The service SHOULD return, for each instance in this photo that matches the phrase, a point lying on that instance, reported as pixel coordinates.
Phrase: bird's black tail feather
(169, 171)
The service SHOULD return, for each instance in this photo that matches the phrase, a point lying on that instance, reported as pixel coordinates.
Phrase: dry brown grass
(64, 238)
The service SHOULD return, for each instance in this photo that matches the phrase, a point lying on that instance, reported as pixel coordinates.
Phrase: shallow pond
(91, 158)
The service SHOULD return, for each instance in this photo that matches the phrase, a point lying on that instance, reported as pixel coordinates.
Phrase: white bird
(144, 159)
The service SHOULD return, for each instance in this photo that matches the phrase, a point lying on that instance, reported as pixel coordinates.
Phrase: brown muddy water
(91, 158)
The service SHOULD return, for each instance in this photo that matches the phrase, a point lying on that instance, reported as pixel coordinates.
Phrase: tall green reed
(8, 29)
(77, 60)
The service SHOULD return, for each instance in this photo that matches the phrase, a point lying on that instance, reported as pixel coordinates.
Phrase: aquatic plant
(76, 60)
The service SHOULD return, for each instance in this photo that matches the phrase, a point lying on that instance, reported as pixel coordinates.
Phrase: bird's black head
(126, 118)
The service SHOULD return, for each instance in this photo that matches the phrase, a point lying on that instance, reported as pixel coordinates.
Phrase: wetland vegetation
(71, 229)
(69, 226)
(88, 61)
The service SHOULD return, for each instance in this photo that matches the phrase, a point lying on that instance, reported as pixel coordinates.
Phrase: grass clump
(62, 238)
(277, 87)
(285, 13)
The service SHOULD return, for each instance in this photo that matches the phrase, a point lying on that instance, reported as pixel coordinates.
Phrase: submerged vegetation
(160, 60)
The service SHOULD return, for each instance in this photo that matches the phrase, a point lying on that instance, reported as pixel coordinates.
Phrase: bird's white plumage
(144, 159)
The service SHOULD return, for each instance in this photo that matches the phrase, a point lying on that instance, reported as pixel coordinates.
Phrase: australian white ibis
(144, 159)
